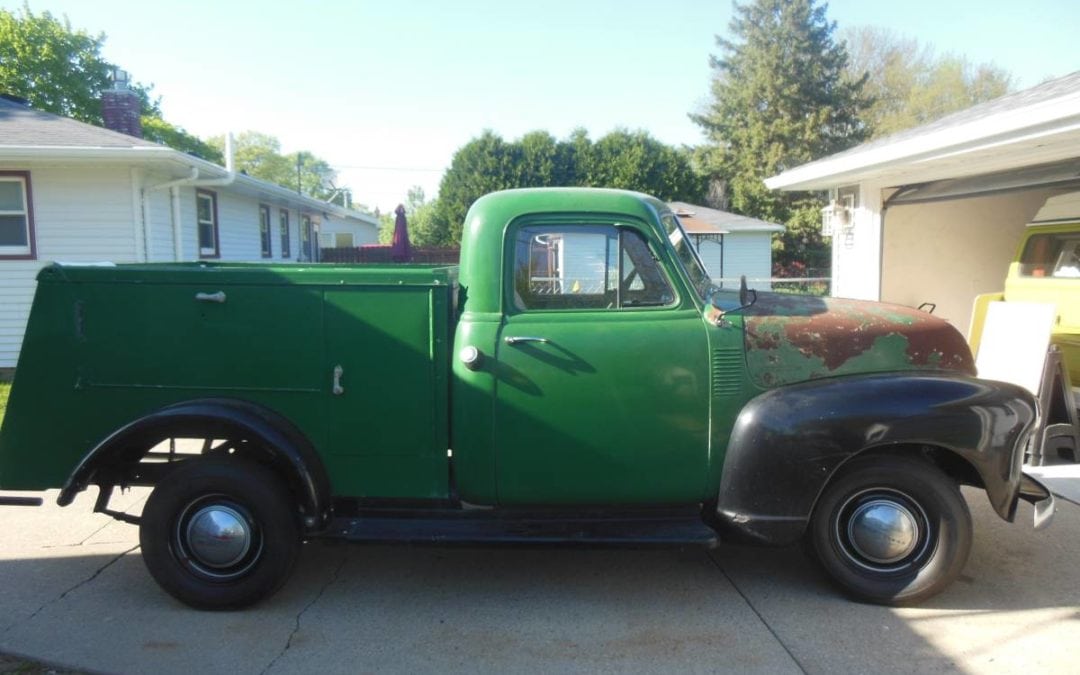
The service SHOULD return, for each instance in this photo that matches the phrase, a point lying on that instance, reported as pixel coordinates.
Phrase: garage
(934, 214)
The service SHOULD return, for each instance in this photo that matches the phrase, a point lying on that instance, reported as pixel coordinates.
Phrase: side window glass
(586, 267)
(1051, 255)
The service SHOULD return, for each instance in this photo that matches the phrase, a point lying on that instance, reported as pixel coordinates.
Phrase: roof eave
(1060, 116)
(208, 170)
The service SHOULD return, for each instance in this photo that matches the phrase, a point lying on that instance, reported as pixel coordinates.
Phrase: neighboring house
(75, 192)
(935, 213)
(730, 245)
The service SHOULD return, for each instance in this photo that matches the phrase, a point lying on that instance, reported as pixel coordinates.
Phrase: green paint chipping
(788, 364)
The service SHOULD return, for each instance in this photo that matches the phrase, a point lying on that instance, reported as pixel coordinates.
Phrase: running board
(484, 529)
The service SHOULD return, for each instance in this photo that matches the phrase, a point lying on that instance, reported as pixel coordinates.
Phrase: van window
(1052, 255)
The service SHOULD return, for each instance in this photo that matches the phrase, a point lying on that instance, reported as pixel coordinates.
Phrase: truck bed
(141, 337)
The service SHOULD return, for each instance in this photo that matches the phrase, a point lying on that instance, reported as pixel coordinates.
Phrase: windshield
(699, 278)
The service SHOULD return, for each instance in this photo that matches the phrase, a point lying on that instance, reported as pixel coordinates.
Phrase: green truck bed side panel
(106, 346)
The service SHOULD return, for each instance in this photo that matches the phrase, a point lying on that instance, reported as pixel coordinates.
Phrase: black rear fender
(789, 442)
(269, 436)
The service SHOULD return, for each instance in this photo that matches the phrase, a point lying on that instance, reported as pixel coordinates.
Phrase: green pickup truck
(577, 379)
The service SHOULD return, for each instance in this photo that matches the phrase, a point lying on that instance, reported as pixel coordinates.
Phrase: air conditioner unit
(838, 216)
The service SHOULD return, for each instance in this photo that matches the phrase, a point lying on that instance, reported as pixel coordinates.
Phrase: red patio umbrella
(400, 251)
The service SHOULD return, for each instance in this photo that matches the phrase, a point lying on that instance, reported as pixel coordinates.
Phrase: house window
(207, 218)
(586, 267)
(343, 240)
(305, 238)
(283, 224)
(16, 216)
(264, 231)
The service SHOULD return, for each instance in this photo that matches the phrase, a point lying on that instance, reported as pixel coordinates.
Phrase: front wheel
(891, 530)
(220, 533)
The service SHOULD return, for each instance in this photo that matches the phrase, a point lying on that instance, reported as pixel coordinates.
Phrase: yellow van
(1046, 269)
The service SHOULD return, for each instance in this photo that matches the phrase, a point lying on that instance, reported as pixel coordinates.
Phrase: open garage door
(947, 241)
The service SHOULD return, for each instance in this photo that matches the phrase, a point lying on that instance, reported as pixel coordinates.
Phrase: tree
(637, 161)
(60, 70)
(259, 155)
(910, 86)
(53, 67)
(621, 159)
(159, 131)
(780, 98)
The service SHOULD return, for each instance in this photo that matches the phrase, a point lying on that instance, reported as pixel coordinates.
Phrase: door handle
(218, 297)
(518, 339)
(337, 389)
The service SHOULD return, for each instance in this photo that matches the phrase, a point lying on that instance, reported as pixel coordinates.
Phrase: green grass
(5, 389)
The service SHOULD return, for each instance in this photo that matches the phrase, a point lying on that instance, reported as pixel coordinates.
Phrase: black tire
(206, 493)
(924, 551)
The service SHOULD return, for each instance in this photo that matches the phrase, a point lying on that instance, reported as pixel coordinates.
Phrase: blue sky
(386, 91)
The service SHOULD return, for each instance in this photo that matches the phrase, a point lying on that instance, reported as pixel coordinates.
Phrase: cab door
(602, 373)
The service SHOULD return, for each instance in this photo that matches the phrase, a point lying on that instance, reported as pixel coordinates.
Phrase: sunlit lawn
(5, 388)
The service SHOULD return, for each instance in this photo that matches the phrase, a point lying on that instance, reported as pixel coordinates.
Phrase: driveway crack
(299, 616)
(754, 609)
(74, 588)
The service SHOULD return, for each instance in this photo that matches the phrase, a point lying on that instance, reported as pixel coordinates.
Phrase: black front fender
(788, 442)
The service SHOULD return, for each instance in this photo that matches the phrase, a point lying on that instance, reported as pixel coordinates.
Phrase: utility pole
(299, 158)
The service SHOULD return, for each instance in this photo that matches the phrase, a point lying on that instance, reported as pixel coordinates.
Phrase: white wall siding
(363, 233)
(16, 292)
(856, 252)
(748, 253)
(79, 216)
(159, 224)
(238, 226)
(102, 214)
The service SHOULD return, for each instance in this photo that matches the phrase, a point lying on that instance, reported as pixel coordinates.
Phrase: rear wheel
(891, 530)
(220, 533)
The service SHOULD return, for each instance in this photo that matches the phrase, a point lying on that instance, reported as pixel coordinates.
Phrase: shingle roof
(21, 125)
(703, 220)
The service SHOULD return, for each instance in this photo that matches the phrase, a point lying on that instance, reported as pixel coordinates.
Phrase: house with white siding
(730, 245)
(74, 192)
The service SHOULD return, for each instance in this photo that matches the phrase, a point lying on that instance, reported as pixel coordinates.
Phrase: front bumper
(1040, 496)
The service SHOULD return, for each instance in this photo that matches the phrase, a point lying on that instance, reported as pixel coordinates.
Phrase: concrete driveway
(74, 593)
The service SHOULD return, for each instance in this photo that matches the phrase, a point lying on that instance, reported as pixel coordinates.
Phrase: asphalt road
(74, 593)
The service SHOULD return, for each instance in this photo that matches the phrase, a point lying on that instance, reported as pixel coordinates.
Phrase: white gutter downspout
(190, 180)
(174, 185)
(177, 237)
(230, 167)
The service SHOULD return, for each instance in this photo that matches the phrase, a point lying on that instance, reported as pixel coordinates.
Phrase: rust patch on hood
(835, 336)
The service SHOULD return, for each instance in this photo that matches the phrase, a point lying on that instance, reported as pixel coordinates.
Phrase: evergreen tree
(780, 98)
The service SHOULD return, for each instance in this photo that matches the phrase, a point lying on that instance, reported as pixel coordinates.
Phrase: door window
(570, 267)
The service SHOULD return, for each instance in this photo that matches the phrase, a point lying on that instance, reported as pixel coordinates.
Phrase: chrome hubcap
(218, 536)
(883, 531)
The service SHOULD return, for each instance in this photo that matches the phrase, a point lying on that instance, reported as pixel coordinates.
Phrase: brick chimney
(121, 107)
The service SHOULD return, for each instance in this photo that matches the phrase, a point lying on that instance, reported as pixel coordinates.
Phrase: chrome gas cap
(218, 536)
(883, 531)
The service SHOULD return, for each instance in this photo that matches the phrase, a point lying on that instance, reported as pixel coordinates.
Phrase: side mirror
(747, 297)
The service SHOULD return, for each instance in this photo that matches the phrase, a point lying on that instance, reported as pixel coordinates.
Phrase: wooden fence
(382, 255)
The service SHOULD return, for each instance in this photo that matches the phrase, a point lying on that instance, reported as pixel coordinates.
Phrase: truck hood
(792, 338)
